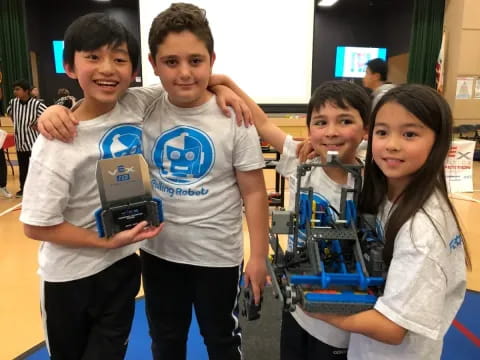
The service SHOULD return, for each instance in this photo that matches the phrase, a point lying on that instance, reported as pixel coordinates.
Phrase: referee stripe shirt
(24, 116)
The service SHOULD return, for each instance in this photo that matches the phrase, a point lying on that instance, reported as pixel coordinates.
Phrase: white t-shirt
(61, 184)
(425, 285)
(193, 154)
(379, 92)
(328, 190)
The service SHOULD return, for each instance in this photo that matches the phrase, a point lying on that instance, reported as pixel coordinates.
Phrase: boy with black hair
(203, 168)
(375, 79)
(24, 110)
(337, 120)
(88, 283)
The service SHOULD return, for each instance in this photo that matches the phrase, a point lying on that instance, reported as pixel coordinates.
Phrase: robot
(337, 267)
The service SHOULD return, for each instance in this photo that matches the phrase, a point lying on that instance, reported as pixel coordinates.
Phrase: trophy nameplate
(126, 195)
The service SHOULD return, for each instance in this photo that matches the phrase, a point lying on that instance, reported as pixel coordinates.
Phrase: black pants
(23, 162)
(297, 344)
(91, 318)
(3, 169)
(171, 289)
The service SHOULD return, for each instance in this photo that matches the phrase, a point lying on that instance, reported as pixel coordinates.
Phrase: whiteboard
(265, 46)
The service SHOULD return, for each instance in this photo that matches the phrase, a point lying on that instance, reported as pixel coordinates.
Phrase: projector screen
(265, 46)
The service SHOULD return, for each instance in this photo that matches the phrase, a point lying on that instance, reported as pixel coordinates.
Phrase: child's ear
(212, 59)
(134, 75)
(151, 59)
(365, 134)
(69, 71)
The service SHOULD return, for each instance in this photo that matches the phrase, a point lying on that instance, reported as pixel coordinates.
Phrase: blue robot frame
(340, 267)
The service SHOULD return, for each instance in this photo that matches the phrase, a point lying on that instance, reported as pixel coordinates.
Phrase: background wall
(47, 20)
(462, 25)
(374, 23)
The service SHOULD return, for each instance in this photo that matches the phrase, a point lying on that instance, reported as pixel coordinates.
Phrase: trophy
(126, 195)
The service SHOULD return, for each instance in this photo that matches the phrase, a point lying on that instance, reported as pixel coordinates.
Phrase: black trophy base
(125, 217)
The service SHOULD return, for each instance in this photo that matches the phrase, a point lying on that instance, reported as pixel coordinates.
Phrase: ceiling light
(326, 3)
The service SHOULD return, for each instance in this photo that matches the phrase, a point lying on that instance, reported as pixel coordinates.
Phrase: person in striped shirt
(24, 111)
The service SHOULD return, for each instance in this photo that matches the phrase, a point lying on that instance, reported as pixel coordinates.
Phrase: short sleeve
(416, 285)
(139, 99)
(41, 108)
(288, 162)
(247, 154)
(45, 194)
(9, 107)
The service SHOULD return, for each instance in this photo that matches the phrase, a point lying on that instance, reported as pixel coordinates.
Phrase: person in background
(64, 98)
(36, 94)
(3, 164)
(24, 111)
(3, 169)
(375, 79)
(1, 93)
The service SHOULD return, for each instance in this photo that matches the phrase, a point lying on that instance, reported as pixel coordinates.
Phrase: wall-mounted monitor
(350, 61)
(58, 56)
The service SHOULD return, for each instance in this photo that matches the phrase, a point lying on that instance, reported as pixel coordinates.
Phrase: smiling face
(335, 129)
(184, 65)
(401, 144)
(103, 74)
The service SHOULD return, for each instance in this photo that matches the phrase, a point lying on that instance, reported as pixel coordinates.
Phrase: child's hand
(226, 97)
(138, 233)
(58, 122)
(305, 151)
(256, 274)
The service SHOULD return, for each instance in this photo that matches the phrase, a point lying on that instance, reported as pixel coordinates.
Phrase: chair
(8, 143)
(467, 131)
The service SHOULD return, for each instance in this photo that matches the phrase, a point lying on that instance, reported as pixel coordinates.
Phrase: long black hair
(433, 111)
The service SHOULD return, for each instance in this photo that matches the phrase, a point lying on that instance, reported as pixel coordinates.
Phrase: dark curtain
(14, 56)
(426, 38)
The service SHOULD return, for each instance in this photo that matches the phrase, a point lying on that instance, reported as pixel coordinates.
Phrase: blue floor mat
(456, 345)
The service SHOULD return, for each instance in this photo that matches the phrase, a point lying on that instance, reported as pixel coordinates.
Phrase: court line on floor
(9, 210)
(466, 332)
(458, 196)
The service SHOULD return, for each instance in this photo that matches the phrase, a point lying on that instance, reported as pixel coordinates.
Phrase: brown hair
(177, 18)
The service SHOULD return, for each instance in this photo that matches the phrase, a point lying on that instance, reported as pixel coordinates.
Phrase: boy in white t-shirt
(88, 283)
(337, 120)
(204, 169)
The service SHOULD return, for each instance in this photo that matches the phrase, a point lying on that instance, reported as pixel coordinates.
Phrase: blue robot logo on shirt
(183, 155)
(121, 140)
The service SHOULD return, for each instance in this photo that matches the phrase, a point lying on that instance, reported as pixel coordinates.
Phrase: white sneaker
(5, 193)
